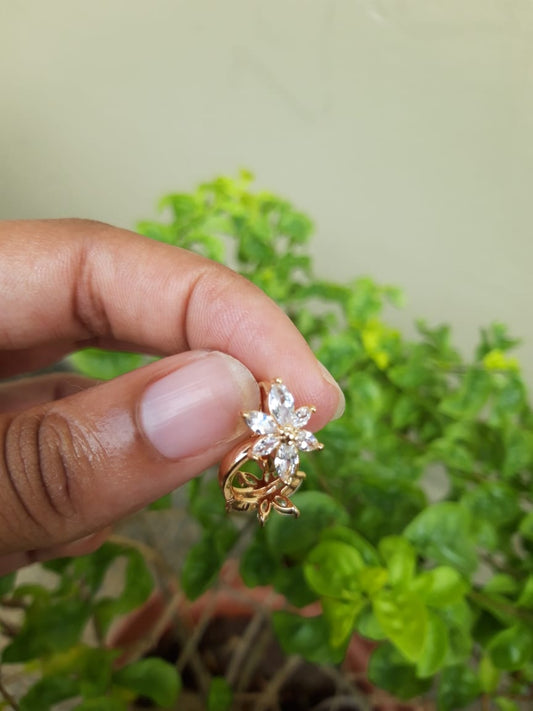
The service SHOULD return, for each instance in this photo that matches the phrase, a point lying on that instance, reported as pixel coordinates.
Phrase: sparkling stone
(302, 416)
(265, 445)
(286, 462)
(260, 423)
(307, 441)
(281, 403)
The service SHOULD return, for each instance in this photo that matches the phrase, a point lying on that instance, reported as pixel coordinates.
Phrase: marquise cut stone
(265, 445)
(307, 441)
(286, 462)
(260, 423)
(302, 416)
(281, 403)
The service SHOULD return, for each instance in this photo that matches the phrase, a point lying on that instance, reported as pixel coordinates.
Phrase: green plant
(416, 527)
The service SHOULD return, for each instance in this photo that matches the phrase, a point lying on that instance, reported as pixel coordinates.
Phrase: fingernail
(193, 408)
(328, 377)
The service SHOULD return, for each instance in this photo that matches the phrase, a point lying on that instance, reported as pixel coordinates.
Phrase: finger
(74, 466)
(91, 283)
(14, 561)
(28, 392)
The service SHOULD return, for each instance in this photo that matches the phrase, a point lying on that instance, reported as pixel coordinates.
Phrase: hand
(77, 455)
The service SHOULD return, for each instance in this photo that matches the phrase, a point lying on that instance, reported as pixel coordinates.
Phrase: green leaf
(332, 569)
(92, 666)
(501, 584)
(204, 559)
(435, 648)
(211, 247)
(290, 581)
(206, 504)
(367, 625)
(495, 336)
(458, 687)
(7, 582)
(509, 400)
(258, 565)
(404, 412)
(295, 225)
(404, 618)
(494, 501)
(47, 692)
(518, 451)
(365, 301)
(162, 504)
(467, 401)
(341, 617)
(442, 532)
(373, 579)
(48, 627)
(526, 596)
(201, 567)
(347, 535)
(220, 695)
(183, 206)
(459, 619)
(105, 365)
(306, 636)
(389, 670)
(441, 586)
(92, 568)
(503, 704)
(526, 526)
(138, 584)
(295, 537)
(158, 231)
(400, 558)
(512, 648)
(489, 675)
(340, 352)
(103, 703)
(152, 677)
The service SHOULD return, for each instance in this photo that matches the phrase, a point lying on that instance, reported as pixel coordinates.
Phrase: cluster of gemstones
(279, 432)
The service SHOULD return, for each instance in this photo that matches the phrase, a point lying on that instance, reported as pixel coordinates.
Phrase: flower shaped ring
(278, 436)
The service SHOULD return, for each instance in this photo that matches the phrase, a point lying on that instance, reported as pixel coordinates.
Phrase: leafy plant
(416, 527)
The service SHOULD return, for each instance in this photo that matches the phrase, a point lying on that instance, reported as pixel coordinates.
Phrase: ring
(278, 436)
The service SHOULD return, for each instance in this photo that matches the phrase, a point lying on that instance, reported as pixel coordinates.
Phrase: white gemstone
(260, 423)
(302, 416)
(307, 441)
(286, 462)
(281, 404)
(265, 445)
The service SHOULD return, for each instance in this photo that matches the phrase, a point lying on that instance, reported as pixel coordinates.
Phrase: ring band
(278, 436)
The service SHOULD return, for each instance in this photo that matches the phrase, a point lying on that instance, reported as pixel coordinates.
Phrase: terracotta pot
(228, 610)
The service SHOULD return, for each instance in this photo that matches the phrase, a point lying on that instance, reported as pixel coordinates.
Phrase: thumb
(73, 466)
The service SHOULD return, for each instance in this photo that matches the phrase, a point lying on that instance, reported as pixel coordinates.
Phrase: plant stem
(244, 647)
(269, 696)
(8, 628)
(344, 685)
(488, 603)
(7, 696)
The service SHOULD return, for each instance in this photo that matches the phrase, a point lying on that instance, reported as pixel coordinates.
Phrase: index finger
(69, 283)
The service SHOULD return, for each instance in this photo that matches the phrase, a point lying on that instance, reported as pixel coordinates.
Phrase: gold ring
(278, 436)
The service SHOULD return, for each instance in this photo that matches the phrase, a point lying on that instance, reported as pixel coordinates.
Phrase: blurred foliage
(444, 587)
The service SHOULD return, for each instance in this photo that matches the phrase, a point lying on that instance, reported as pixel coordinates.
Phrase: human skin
(78, 455)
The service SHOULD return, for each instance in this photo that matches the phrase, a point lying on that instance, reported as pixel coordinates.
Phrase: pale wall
(403, 126)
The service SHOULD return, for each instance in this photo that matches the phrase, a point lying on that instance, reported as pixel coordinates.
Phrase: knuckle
(41, 455)
(88, 306)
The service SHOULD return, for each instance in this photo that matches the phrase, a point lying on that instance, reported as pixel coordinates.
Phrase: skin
(74, 456)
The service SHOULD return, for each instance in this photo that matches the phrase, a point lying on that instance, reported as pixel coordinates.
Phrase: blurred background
(403, 127)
